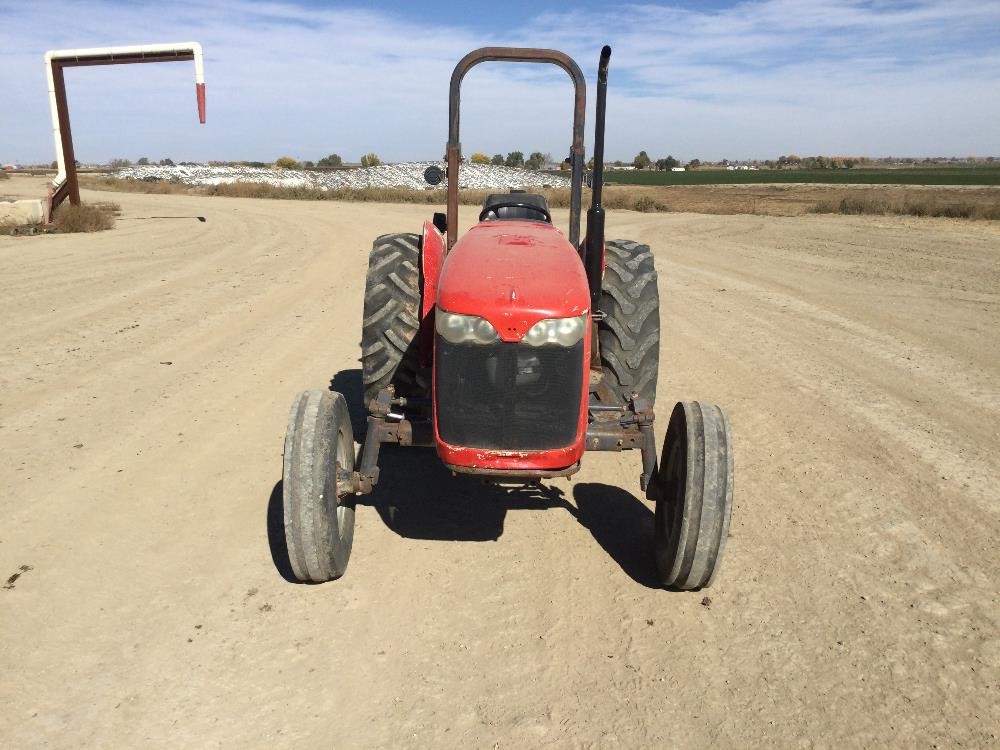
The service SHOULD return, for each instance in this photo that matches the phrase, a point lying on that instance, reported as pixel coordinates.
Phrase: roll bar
(454, 147)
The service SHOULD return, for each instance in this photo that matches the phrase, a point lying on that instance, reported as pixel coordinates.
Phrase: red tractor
(511, 352)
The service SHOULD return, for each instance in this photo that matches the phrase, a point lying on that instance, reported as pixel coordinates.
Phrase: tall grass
(947, 203)
(865, 175)
(908, 206)
(615, 198)
(87, 217)
(117, 185)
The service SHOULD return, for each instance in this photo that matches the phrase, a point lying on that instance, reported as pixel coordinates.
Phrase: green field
(863, 176)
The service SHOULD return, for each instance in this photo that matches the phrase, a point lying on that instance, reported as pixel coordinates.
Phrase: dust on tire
(391, 318)
(629, 335)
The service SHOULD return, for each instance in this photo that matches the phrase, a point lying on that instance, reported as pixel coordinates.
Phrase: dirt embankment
(145, 379)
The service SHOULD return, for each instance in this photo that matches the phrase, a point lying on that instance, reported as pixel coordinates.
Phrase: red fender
(431, 258)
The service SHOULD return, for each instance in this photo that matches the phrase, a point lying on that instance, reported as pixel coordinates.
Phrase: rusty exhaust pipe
(593, 244)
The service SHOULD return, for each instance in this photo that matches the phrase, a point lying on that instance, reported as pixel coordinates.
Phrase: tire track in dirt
(840, 389)
(855, 604)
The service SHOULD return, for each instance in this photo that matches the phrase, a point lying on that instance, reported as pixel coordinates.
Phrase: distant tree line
(643, 161)
(791, 161)
(142, 161)
(538, 160)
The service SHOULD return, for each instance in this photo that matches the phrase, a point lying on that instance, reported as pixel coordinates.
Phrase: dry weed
(116, 185)
(615, 197)
(87, 217)
(908, 206)
(697, 199)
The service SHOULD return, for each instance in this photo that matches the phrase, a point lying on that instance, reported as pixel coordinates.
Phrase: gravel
(408, 175)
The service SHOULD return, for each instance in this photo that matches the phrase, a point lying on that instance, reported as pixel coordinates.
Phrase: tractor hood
(513, 273)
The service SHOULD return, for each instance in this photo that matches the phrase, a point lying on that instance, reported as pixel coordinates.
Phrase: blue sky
(711, 80)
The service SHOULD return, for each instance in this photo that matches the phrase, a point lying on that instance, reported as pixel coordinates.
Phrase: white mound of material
(408, 175)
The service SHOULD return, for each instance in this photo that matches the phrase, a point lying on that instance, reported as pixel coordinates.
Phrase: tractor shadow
(623, 525)
(349, 383)
(425, 501)
(417, 497)
(276, 534)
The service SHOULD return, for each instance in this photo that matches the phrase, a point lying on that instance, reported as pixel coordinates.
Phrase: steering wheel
(546, 216)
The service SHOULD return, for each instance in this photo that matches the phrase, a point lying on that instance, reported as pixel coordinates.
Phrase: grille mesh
(508, 396)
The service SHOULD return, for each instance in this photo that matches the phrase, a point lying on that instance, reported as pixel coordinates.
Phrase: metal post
(71, 186)
(57, 60)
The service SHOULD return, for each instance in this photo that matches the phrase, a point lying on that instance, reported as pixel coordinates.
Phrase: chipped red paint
(431, 256)
(479, 458)
(513, 273)
(200, 93)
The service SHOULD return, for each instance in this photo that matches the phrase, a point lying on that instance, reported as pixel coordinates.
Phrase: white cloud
(755, 80)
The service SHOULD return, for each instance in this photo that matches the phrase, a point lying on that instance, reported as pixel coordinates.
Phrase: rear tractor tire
(694, 496)
(391, 320)
(319, 524)
(629, 335)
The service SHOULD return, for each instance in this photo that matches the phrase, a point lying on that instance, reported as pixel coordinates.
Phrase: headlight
(464, 329)
(561, 331)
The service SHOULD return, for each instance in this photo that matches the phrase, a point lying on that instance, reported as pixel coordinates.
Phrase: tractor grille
(508, 396)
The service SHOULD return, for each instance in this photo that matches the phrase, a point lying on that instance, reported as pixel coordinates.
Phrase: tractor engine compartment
(511, 347)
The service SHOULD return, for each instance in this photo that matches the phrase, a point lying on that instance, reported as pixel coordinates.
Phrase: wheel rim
(344, 462)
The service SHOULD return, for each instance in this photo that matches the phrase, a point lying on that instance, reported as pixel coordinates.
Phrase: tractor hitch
(388, 426)
(623, 427)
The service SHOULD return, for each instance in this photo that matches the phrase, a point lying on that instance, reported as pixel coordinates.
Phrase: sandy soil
(145, 378)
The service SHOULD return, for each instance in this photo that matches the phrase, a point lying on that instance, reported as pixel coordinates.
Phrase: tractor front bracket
(611, 427)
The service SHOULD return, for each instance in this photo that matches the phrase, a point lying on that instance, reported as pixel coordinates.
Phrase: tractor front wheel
(319, 524)
(694, 496)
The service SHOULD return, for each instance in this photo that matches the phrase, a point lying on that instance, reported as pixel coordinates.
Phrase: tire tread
(629, 335)
(391, 318)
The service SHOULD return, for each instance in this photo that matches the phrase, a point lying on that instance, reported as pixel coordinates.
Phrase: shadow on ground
(418, 498)
(349, 383)
(276, 534)
(622, 524)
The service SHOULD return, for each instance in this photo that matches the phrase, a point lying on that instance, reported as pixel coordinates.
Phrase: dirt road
(145, 378)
